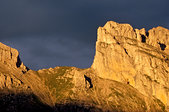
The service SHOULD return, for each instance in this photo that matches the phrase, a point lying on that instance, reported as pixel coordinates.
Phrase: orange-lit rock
(134, 56)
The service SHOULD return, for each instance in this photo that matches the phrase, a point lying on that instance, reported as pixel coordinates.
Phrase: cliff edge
(129, 74)
(136, 57)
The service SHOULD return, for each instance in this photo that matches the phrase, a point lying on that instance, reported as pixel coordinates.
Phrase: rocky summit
(137, 57)
(129, 74)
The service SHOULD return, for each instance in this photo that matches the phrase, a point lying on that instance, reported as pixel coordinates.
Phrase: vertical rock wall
(134, 57)
(10, 57)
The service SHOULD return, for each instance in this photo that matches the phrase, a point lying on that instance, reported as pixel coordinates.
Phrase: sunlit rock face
(10, 57)
(134, 57)
(128, 74)
(11, 69)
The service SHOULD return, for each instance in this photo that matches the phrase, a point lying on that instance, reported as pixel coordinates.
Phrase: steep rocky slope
(134, 56)
(11, 69)
(10, 57)
(81, 87)
(16, 87)
(129, 74)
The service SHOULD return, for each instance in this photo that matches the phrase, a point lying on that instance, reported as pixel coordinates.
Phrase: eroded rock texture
(129, 74)
(134, 57)
(10, 57)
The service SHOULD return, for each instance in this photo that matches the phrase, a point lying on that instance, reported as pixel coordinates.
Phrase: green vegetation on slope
(58, 81)
(106, 95)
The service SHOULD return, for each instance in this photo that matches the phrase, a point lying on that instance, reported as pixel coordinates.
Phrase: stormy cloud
(51, 33)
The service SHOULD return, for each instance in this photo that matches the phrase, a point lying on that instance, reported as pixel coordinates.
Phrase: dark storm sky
(51, 33)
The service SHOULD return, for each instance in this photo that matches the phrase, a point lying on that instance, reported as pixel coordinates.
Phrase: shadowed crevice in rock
(118, 43)
(88, 79)
(19, 62)
(11, 55)
(143, 39)
(162, 46)
(147, 34)
(125, 51)
(27, 68)
(24, 71)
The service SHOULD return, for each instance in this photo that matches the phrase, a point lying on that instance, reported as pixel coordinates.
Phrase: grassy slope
(104, 95)
(58, 82)
(58, 86)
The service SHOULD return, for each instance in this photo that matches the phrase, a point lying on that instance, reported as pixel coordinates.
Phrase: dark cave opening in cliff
(162, 46)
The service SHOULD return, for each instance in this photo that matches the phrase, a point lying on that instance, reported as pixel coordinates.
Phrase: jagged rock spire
(134, 57)
(10, 57)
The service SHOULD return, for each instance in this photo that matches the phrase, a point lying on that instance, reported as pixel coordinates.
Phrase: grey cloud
(48, 52)
(65, 31)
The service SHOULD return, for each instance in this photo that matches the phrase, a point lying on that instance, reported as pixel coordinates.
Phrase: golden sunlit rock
(134, 56)
(129, 74)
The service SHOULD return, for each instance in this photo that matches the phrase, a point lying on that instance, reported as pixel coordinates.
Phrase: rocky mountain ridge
(134, 56)
(129, 73)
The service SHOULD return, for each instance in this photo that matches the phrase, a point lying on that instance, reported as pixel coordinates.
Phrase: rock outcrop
(81, 90)
(11, 82)
(129, 74)
(14, 77)
(10, 57)
(134, 57)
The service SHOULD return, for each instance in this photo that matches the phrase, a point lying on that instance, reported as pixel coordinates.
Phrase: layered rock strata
(10, 57)
(134, 57)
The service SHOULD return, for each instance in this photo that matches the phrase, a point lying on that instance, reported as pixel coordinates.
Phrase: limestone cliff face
(129, 72)
(11, 69)
(14, 77)
(11, 82)
(134, 57)
(65, 89)
(82, 88)
(10, 57)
